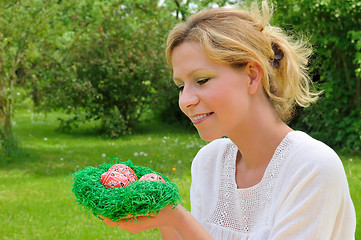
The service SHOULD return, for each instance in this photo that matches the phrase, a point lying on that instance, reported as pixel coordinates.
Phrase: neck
(258, 142)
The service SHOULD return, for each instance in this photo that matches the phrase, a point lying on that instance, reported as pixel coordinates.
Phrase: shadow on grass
(147, 127)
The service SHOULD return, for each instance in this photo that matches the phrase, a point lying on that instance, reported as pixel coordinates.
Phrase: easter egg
(152, 177)
(123, 169)
(119, 175)
(119, 167)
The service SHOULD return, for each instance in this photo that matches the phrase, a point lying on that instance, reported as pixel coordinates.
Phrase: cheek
(229, 104)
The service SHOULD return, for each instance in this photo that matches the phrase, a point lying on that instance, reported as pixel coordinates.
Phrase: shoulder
(312, 179)
(313, 160)
(208, 157)
(217, 146)
(309, 152)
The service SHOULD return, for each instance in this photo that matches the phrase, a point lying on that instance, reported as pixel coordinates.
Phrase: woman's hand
(174, 218)
(144, 223)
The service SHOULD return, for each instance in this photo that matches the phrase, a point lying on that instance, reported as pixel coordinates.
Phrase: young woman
(241, 78)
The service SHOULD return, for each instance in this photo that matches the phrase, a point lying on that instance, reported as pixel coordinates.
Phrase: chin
(209, 137)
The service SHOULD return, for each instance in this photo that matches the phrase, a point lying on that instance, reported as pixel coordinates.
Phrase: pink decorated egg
(119, 167)
(123, 169)
(118, 176)
(152, 177)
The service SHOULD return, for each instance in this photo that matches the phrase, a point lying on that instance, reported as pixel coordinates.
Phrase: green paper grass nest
(140, 198)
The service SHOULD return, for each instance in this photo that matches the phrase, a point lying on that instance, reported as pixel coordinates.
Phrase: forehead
(188, 57)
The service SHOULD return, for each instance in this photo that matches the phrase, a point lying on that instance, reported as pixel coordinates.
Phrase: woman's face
(214, 96)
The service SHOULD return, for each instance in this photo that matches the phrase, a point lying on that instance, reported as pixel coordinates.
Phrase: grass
(36, 201)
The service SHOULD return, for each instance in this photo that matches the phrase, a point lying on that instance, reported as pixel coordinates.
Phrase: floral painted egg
(152, 177)
(124, 169)
(118, 176)
(119, 167)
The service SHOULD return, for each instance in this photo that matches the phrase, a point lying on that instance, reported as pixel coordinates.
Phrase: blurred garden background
(82, 81)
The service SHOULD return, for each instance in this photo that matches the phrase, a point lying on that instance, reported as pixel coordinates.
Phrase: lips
(200, 117)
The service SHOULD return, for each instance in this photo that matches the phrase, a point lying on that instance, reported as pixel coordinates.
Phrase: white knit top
(303, 194)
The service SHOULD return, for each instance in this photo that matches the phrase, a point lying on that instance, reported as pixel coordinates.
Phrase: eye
(180, 88)
(203, 81)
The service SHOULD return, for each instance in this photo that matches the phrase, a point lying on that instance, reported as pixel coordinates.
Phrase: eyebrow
(192, 73)
(177, 81)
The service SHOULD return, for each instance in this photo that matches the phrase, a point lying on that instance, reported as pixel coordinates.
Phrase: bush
(115, 69)
(334, 30)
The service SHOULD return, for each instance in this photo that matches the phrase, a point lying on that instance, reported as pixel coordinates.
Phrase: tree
(335, 30)
(23, 26)
(115, 66)
(183, 9)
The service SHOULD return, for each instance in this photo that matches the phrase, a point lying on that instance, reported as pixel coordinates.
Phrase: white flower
(61, 159)
(136, 154)
(143, 154)
(45, 139)
(104, 155)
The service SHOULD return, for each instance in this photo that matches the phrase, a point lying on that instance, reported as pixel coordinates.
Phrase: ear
(255, 73)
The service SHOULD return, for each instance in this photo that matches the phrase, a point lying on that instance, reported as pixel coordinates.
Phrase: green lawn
(36, 201)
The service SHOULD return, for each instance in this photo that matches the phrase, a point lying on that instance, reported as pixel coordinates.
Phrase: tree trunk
(6, 109)
(7, 122)
(6, 90)
(8, 112)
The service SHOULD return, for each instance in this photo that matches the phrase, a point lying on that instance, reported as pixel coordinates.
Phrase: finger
(109, 222)
(121, 223)
(130, 225)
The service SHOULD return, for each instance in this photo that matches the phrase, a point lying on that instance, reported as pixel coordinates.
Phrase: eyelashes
(180, 88)
(200, 82)
(203, 81)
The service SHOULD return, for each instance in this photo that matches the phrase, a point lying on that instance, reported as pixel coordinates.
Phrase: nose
(188, 98)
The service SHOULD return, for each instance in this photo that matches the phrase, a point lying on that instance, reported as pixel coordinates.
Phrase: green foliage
(24, 29)
(114, 69)
(104, 60)
(183, 9)
(334, 29)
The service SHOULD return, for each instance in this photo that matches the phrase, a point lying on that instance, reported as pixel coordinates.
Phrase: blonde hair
(233, 36)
